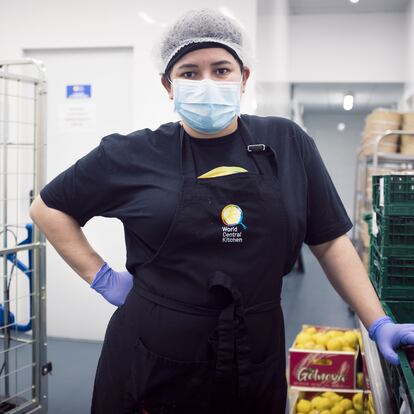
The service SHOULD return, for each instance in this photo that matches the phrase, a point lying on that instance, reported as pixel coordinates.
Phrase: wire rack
(23, 364)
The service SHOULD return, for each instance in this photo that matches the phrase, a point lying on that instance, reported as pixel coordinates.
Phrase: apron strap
(233, 350)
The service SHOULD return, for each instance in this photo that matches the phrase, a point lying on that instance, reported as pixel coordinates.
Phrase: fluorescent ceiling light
(146, 18)
(341, 126)
(348, 101)
(229, 14)
(354, 1)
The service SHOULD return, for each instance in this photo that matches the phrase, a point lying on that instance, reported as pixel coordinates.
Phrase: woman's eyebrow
(187, 65)
(221, 62)
(192, 65)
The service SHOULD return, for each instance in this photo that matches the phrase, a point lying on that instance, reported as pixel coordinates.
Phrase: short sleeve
(327, 218)
(83, 190)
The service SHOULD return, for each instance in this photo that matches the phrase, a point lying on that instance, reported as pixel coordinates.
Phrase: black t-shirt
(137, 179)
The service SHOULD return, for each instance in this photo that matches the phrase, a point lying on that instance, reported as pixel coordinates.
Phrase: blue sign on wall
(78, 91)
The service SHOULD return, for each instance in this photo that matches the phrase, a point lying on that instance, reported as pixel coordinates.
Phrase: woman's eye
(188, 74)
(222, 71)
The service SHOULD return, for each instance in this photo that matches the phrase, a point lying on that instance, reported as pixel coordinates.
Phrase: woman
(215, 209)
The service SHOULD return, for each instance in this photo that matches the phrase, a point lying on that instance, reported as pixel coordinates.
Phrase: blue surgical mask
(205, 105)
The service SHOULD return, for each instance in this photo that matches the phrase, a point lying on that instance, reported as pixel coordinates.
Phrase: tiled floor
(307, 298)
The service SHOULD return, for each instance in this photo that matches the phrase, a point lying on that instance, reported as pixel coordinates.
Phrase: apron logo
(232, 216)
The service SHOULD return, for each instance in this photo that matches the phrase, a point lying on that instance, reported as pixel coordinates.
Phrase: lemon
(303, 406)
(321, 339)
(337, 409)
(346, 404)
(315, 401)
(319, 347)
(351, 338)
(310, 330)
(321, 403)
(300, 346)
(360, 379)
(334, 345)
(358, 408)
(324, 412)
(352, 411)
(360, 342)
(357, 399)
(309, 345)
(334, 333)
(333, 396)
(313, 412)
(303, 337)
(348, 349)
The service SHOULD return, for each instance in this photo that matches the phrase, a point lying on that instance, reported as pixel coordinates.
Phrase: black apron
(202, 329)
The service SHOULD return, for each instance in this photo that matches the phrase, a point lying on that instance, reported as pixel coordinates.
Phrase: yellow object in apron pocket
(219, 171)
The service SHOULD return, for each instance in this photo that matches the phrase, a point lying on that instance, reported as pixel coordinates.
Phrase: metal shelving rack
(23, 364)
(374, 160)
(383, 401)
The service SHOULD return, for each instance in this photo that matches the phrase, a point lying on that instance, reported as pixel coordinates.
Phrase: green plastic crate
(392, 277)
(401, 312)
(398, 195)
(395, 235)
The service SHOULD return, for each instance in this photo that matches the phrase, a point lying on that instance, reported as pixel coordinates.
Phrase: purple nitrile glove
(113, 286)
(389, 336)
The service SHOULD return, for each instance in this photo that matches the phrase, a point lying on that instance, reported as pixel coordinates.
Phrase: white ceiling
(329, 96)
(345, 6)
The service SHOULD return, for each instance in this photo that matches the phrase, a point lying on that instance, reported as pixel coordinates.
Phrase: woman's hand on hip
(113, 286)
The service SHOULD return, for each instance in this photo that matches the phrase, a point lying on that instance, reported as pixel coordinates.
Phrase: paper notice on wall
(77, 115)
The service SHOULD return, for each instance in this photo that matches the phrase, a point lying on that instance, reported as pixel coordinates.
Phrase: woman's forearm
(347, 274)
(64, 233)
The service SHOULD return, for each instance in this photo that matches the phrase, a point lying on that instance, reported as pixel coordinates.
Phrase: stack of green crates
(391, 267)
(392, 248)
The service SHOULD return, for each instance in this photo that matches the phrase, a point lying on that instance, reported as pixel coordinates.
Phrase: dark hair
(194, 46)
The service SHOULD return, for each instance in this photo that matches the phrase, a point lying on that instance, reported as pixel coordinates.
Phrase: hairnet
(196, 28)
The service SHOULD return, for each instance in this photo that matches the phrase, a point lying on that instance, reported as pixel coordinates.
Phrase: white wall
(338, 149)
(409, 90)
(49, 24)
(272, 49)
(348, 48)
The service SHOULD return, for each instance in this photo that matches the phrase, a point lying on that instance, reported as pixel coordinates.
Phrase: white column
(272, 46)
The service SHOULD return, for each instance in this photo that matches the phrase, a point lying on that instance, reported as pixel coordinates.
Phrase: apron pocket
(165, 385)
